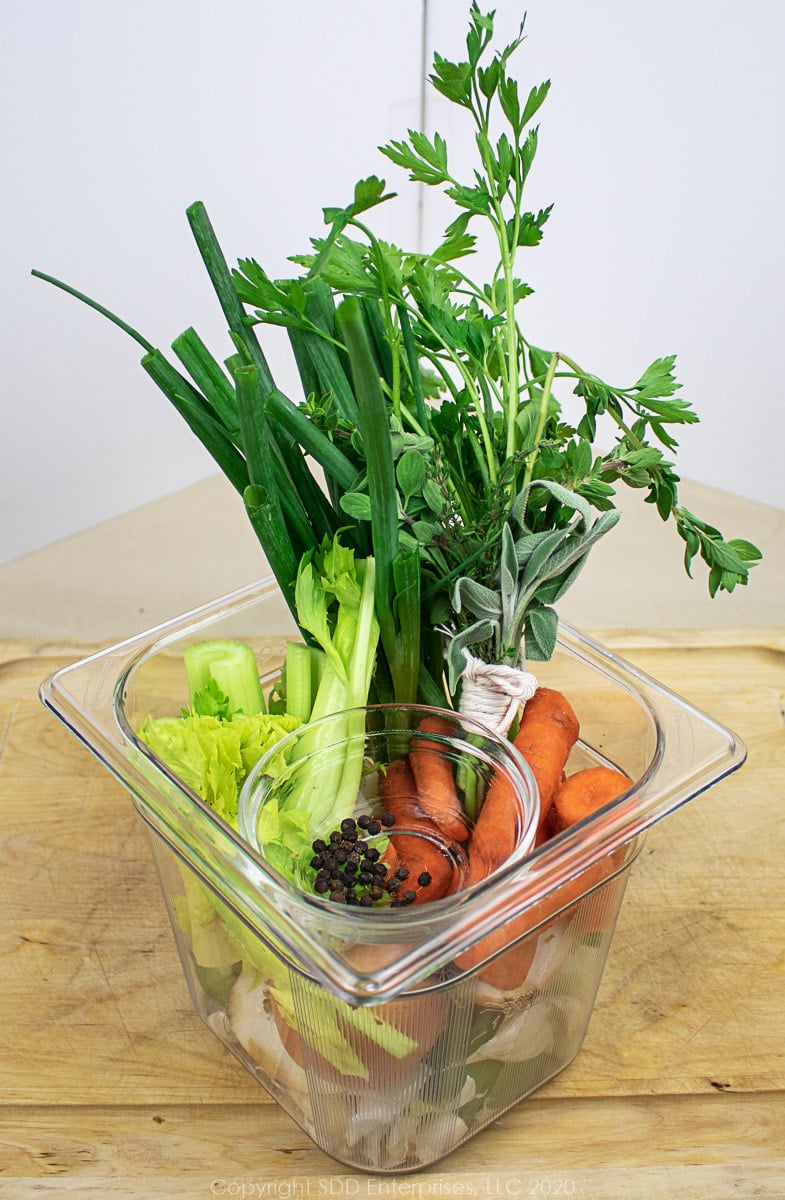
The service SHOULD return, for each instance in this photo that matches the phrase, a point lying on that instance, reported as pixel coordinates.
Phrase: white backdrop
(661, 145)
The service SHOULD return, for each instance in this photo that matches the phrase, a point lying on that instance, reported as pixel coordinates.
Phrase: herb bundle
(430, 436)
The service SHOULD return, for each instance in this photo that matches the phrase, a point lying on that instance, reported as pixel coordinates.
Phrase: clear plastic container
(393, 1035)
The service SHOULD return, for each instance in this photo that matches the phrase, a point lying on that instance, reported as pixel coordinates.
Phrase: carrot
(494, 836)
(430, 873)
(419, 855)
(575, 797)
(398, 791)
(548, 731)
(584, 793)
(509, 970)
(433, 773)
(545, 830)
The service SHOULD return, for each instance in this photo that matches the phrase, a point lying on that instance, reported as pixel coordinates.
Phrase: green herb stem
(542, 417)
(471, 391)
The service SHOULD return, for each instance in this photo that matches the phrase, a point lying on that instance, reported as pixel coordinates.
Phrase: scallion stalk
(221, 278)
(210, 378)
(330, 459)
(375, 430)
(195, 409)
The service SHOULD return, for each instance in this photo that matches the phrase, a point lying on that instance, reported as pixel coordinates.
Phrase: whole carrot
(433, 773)
(415, 855)
(584, 793)
(398, 792)
(575, 797)
(494, 836)
(509, 969)
(549, 729)
(547, 733)
(514, 951)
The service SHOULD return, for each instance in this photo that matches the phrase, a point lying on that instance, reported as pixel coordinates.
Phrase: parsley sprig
(499, 423)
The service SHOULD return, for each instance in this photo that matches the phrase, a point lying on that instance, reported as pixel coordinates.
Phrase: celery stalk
(297, 675)
(228, 666)
(335, 603)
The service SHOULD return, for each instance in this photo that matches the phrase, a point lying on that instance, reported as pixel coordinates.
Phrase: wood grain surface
(111, 1087)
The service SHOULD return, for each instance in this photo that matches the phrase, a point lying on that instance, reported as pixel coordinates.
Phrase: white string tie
(492, 693)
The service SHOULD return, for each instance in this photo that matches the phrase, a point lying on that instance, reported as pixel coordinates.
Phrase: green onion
(322, 517)
(200, 417)
(377, 443)
(408, 614)
(210, 378)
(105, 312)
(295, 422)
(220, 275)
(331, 374)
(265, 517)
(261, 498)
(374, 323)
(423, 415)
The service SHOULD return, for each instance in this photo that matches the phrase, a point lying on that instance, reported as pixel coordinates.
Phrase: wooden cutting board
(110, 1086)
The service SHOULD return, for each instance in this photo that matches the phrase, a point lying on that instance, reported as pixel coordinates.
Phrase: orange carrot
(419, 855)
(430, 873)
(545, 830)
(585, 792)
(433, 772)
(398, 791)
(494, 836)
(548, 731)
(509, 970)
(570, 801)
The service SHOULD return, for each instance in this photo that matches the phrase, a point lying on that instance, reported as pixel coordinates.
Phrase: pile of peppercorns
(350, 871)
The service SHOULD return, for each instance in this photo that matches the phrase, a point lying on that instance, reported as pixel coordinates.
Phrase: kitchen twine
(492, 693)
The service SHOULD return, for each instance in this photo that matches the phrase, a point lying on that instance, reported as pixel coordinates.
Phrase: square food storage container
(392, 1036)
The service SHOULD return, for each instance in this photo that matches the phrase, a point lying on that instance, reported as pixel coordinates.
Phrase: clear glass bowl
(343, 766)
(393, 1035)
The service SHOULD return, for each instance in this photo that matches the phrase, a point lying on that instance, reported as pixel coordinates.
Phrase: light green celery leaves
(285, 836)
(213, 757)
